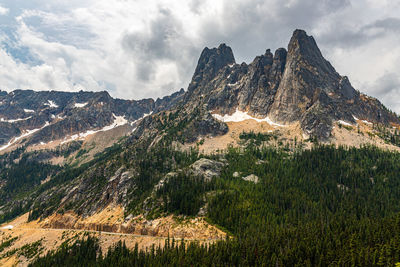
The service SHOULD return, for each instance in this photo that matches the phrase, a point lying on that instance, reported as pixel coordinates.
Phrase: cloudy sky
(145, 48)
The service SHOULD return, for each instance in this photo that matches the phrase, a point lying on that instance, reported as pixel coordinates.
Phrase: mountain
(252, 151)
(295, 93)
(30, 117)
(290, 86)
(294, 85)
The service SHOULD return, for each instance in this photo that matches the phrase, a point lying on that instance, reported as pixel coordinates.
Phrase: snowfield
(80, 105)
(364, 121)
(12, 121)
(345, 123)
(118, 121)
(27, 133)
(144, 116)
(238, 116)
(51, 104)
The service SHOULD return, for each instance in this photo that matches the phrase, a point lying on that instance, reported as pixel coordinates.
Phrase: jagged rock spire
(210, 62)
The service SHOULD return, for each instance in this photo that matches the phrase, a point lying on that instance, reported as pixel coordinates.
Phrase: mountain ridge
(289, 86)
(47, 116)
(293, 85)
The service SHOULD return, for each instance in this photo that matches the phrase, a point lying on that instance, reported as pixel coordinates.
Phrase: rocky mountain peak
(304, 45)
(297, 85)
(303, 52)
(210, 62)
(311, 91)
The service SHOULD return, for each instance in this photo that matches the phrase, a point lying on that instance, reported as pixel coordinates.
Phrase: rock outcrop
(196, 228)
(206, 168)
(251, 178)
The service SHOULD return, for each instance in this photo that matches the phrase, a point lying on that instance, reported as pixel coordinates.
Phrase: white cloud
(150, 48)
(3, 10)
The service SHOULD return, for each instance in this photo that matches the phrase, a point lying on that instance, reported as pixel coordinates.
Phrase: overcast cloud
(143, 48)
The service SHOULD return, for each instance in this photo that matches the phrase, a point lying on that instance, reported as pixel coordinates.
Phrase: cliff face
(312, 92)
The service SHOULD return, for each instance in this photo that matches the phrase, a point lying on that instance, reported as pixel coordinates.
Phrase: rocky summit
(294, 85)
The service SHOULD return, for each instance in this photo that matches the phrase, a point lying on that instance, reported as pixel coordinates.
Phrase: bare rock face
(210, 63)
(206, 168)
(312, 92)
(308, 77)
(168, 102)
(251, 178)
(236, 174)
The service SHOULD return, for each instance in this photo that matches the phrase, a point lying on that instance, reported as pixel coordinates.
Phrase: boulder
(251, 178)
(206, 168)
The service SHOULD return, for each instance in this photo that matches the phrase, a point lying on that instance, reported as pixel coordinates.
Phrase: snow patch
(344, 123)
(238, 116)
(367, 122)
(364, 121)
(80, 105)
(267, 119)
(28, 110)
(27, 133)
(232, 84)
(12, 121)
(51, 104)
(144, 116)
(118, 121)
